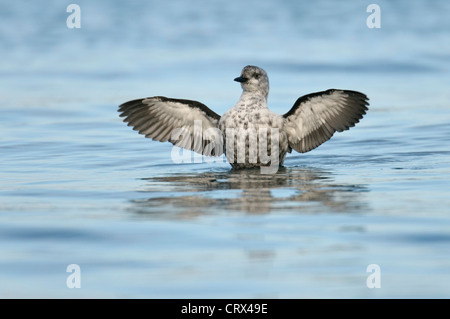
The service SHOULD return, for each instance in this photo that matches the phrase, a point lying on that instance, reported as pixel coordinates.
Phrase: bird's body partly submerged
(249, 134)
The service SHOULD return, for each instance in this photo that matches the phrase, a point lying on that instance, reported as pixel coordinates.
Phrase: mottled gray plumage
(249, 133)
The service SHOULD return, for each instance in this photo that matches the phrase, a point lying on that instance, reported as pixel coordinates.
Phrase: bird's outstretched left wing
(184, 123)
(315, 117)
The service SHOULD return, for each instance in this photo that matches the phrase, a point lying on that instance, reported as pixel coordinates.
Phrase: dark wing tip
(128, 107)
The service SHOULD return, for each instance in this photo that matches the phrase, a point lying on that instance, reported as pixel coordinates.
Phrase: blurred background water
(77, 186)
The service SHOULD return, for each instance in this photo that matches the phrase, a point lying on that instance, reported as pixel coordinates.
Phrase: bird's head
(254, 79)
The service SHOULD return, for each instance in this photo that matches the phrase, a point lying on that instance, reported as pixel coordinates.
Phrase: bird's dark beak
(241, 79)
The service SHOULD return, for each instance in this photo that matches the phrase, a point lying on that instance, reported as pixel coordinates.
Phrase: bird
(249, 134)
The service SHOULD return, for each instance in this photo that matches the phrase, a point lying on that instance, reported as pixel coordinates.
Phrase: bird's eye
(257, 76)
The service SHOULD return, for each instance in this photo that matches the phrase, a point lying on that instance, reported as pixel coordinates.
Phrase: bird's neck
(254, 98)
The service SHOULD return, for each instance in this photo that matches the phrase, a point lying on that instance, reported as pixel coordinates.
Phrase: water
(78, 186)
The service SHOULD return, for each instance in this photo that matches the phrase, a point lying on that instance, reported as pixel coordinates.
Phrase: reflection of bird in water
(249, 133)
(290, 190)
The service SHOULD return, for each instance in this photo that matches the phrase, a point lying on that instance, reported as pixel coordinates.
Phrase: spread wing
(315, 117)
(184, 123)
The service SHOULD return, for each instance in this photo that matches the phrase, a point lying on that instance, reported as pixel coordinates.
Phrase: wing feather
(174, 120)
(315, 117)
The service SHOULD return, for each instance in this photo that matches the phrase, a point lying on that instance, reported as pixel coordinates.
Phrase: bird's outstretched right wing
(184, 123)
(315, 117)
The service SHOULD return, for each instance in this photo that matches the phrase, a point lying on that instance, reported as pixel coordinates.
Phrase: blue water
(77, 186)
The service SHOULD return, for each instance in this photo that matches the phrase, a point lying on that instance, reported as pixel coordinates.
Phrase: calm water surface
(77, 186)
